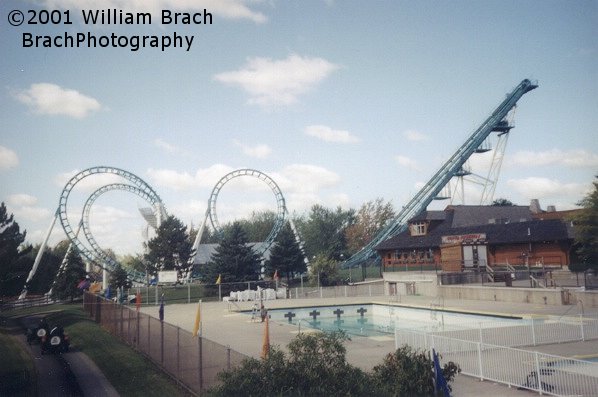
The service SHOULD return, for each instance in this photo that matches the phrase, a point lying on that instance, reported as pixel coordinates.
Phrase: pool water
(381, 320)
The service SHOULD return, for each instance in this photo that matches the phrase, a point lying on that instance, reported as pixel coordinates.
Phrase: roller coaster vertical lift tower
(422, 199)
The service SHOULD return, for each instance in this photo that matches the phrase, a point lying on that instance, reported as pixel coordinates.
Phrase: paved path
(224, 323)
(68, 374)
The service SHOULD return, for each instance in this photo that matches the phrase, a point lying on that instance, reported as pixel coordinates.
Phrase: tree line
(328, 236)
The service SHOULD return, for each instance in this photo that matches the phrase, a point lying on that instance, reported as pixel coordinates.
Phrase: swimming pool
(380, 320)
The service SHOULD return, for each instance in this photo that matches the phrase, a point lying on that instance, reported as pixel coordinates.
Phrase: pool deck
(222, 322)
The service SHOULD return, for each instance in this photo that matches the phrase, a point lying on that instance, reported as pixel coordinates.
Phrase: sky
(338, 102)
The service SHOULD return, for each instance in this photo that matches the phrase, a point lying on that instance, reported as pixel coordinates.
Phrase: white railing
(543, 373)
(532, 333)
(341, 291)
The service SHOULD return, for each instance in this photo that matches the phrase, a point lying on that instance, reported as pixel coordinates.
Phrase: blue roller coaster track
(496, 122)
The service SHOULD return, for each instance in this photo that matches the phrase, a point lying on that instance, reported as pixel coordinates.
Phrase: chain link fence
(193, 362)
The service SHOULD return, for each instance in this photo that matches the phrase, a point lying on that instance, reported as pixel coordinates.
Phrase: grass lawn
(131, 373)
(17, 371)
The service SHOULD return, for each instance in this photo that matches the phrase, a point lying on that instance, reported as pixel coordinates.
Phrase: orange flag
(138, 301)
(197, 320)
(266, 345)
(275, 277)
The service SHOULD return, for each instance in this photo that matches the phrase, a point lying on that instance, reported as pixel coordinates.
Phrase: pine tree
(586, 230)
(68, 280)
(171, 249)
(14, 263)
(234, 259)
(286, 256)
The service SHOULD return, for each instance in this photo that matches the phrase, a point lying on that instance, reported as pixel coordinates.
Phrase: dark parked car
(55, 341)
(35, 335)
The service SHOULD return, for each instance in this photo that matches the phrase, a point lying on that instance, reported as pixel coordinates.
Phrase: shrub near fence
(193, 362)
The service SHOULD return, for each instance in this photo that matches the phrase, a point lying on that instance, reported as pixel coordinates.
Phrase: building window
(419, 228)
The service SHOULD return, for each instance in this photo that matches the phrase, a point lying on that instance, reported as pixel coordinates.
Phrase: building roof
(472, 215)
(508, 232)
(205, 252)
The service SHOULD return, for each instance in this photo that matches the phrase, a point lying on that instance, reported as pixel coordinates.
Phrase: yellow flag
(218, 280)
(197, 319)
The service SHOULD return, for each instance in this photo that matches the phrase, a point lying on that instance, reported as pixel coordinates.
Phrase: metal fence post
(480, 360)
(188, 292)
(533, 333)
(137, 339)
(162, 342)
(480, 328)
(228, 357)
(199, 344)
(178, 354)
(538, 372)
(583, 336)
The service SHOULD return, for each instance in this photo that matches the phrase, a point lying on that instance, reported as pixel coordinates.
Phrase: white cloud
(169, 148)
(327, 134)
(89, 183)
(23, 207)
(305, 178)
(8, 158)
(172, 179)
(182, 181)
(46, 98)
(535, 187)
(229, 9)
(414, 136)
(32, 213)
(576, 158)
(21, 199)
(278, 82)
(407, 162)
(258, 151)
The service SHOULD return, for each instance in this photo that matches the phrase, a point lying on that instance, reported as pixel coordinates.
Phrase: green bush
(316, 365)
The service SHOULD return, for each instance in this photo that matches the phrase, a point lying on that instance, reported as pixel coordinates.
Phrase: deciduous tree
(323, 231)
(372, 217)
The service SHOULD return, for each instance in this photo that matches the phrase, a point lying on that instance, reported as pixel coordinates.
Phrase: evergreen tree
(171, 249)
(234, 259)
(286, 256)
(586, 230)
(14, 262)
(68, 280)
(48, 267)
(119, 278)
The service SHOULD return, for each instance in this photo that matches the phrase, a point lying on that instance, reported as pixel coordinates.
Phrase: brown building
(468, 237)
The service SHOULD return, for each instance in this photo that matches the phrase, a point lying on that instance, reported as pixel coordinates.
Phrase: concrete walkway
(227, 324)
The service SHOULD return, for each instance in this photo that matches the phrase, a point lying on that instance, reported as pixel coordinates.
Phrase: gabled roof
(518, 232)
(429, 216)
(205, 252)
(472, 215)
